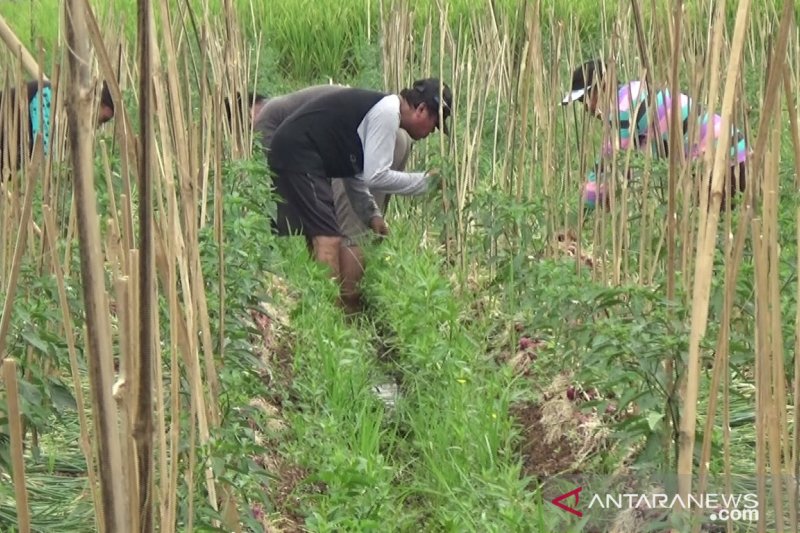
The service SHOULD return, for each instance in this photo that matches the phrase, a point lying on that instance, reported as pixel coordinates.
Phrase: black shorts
(305, 205)
(737, 180)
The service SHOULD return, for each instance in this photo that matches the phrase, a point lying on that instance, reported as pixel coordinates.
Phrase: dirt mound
(565, 243)
(557, 437)
(274, 349)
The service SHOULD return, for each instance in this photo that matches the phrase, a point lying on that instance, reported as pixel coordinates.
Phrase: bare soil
(274, 347)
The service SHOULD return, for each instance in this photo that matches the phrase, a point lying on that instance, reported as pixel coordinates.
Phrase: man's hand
(434, 179)
(378, 225)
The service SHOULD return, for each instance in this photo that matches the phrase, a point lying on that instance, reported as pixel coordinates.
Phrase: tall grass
(454, 400)
(313, 41)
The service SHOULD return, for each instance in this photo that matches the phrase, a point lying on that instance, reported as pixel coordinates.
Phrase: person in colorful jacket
(634, 130)
(38, 107)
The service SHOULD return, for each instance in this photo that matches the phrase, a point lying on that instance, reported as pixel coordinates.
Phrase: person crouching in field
(36, 119)
(633, 123)
(331, 150)
(351, 258)
(255, 103)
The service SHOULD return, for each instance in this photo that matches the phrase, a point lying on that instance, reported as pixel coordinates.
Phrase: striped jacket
(633, 127)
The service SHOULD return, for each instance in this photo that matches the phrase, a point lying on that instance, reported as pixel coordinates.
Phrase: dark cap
(429, 92)
(584, 78)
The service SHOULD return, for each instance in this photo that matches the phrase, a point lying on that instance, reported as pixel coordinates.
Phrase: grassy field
(533, 346)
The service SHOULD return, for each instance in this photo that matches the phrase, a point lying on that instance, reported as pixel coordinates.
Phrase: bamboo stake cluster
(156, 164)
(687, 54)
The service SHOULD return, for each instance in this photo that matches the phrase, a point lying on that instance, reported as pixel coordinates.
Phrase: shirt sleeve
(617, 139)
(379, 132)
(361, 199)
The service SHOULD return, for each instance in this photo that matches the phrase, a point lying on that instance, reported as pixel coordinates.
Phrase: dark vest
(321, 136)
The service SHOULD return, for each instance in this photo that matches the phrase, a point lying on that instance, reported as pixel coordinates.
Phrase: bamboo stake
(720, 372)
(674, 162)
(163, 468)
(17, 458)
(188, 343)
(122, 121)
(21, 244)
(143, 430)
(762, 370)
(97, 322)
(794, 484)
(523, 91)
(15, 45)
(243, 144)
(66, 317)
(774, 78)
(196, 296)
(704, 268)
(195, 413)
(124, 388)
(168, 278)
(549, 111)
(776, 391)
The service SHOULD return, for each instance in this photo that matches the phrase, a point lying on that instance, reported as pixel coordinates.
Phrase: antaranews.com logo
(724, 507)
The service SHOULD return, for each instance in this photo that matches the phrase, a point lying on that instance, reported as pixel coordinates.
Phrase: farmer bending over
(633, 123)
(256, 102)
(36, 119)
(350, 134)
(351, 257)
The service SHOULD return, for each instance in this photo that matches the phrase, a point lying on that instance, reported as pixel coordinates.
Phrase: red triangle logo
(557, 501)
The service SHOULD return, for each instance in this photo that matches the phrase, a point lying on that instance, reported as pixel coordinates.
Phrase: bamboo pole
(794, 485)
(674, 162)
(721, 369)
(161, 480)
(523, 93)
(97, 320)
(50, 232)
(180, 233)
(704, 268)
(124, 390)
(21, 244)
(143, 429)
(707, 234)
(776, 391)
(762, 369)
(15, 45)
(122, 121)
(17, 458)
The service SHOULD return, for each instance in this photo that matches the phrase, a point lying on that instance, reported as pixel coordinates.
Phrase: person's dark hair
(427, 91)
(584, 78)
(412, 97)
(253, 98)
(105, 97)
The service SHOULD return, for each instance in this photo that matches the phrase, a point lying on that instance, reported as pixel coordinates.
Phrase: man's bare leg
(351, 271)
(346, 268)
(326, 250)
